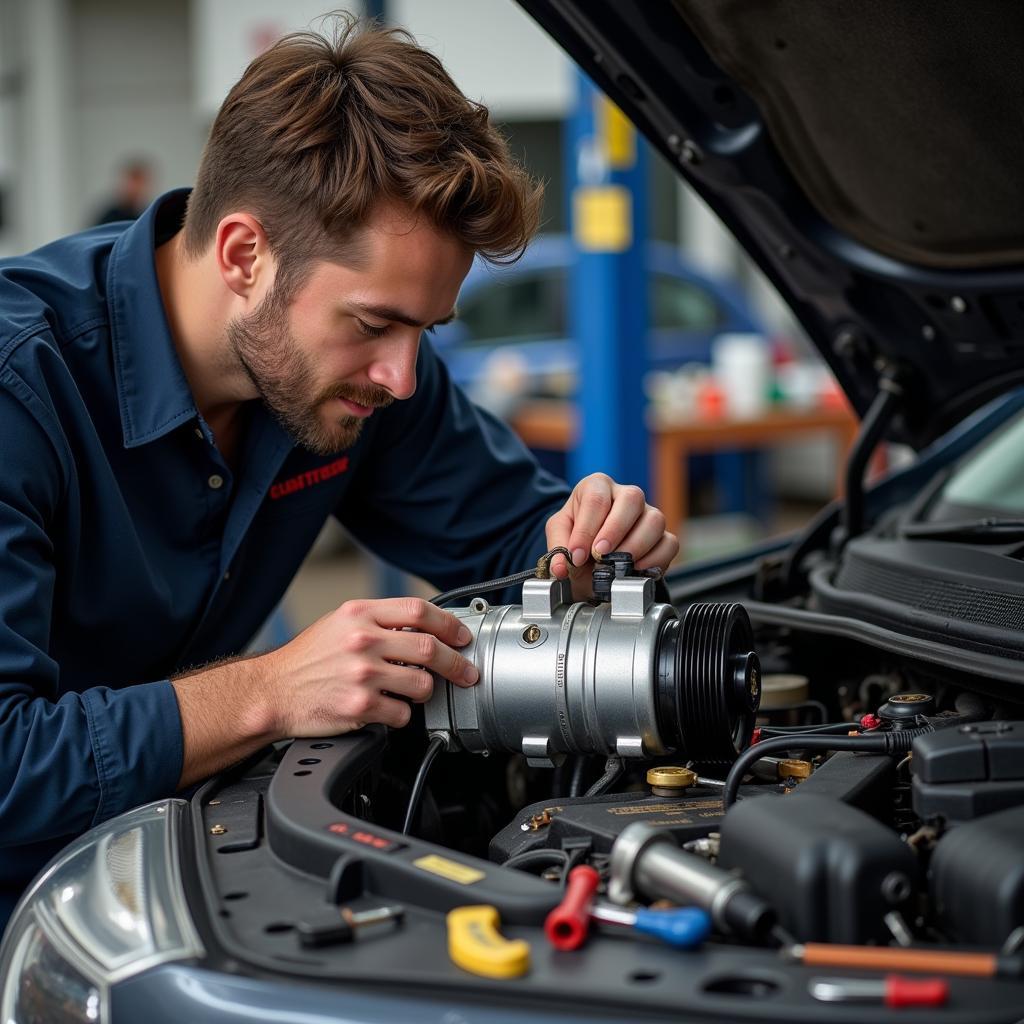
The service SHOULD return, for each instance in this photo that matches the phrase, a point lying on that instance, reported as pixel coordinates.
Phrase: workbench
(553, 425)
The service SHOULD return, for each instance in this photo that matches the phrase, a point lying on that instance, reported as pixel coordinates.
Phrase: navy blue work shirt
(130, 550)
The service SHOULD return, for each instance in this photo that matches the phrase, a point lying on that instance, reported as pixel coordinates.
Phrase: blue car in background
(523, 311)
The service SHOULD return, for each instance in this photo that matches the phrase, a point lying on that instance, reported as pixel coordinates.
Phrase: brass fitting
(794, 769)
(537, 821)
(544, 562)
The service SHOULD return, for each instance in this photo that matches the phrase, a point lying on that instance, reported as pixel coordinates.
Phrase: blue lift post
(607, 167)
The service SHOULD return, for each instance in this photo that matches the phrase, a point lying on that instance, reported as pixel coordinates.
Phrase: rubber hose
(896, 742)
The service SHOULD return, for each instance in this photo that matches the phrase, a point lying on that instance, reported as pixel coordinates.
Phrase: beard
(285, 378)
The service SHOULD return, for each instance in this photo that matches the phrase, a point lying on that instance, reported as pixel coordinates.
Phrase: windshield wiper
(989, 530)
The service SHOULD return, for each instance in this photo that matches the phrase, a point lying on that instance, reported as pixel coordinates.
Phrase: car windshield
(993, 479)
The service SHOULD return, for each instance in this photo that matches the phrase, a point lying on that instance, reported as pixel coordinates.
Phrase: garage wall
(35, 138)
(131, 83)
(227, 34)
(85, 84)
(495, 52)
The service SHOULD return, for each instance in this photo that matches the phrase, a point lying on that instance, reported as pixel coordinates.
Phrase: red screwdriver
(892, 990)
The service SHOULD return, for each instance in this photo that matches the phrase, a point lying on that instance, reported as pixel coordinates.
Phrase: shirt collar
(152, 390)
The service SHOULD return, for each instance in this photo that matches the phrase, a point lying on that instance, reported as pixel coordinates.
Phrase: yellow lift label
(602, 218)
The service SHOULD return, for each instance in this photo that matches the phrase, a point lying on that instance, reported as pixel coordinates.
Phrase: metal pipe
(649, 862)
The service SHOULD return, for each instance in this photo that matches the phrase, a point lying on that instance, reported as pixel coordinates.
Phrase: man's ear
(243, 255)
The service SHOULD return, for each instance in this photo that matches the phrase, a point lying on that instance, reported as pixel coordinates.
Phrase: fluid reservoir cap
(669, 780)
(782, 689)
(903, 706)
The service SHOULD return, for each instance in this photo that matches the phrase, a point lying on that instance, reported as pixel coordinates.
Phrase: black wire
(482, 588)
(804, 730)
(436, 745)
(574, 857)
(898, 741)
(578, 768)
(542, 568)
(613, 769)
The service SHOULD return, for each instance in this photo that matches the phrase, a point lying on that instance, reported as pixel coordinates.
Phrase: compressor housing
(625, 677)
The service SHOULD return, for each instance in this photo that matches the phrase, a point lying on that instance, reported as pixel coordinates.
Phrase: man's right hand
(346, 669)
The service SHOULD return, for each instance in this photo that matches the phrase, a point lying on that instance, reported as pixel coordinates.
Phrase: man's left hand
(602, 516)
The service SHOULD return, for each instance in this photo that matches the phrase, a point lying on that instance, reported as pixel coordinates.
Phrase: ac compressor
(621, 676)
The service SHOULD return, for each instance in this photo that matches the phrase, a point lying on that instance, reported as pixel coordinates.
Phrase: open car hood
(867, 156)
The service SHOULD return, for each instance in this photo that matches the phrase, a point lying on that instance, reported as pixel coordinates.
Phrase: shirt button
(199, 434)
(216, 481)
(227, 575)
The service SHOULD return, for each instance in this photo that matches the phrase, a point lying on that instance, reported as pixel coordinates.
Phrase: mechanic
(183, 402)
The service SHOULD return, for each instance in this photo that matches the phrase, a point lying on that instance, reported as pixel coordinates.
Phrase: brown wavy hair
(322, 128)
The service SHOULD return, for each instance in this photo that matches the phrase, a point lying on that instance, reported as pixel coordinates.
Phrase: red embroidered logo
(308, 479)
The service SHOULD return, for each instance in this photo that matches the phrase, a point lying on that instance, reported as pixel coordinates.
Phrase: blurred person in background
(185, 399)
(132, 192)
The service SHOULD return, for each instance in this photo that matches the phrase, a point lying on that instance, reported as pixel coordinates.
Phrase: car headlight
(109, 906)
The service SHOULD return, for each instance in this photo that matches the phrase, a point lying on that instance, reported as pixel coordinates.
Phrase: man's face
(347, 341)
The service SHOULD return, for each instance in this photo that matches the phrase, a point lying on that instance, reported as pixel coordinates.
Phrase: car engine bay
(785, 785)
(719, 794)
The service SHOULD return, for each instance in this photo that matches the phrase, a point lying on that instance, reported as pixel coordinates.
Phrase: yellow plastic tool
(476, 945)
